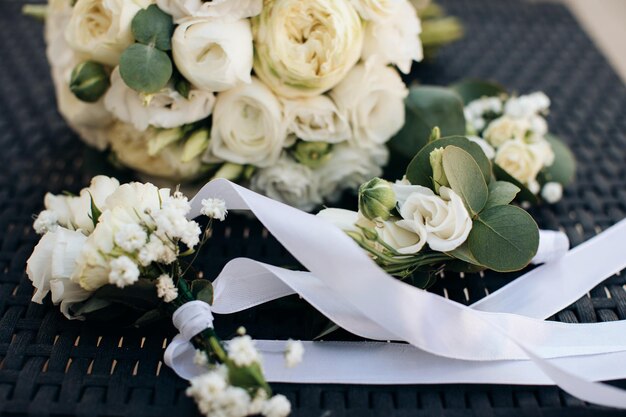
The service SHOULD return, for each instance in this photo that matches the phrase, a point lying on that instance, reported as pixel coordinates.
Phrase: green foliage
(145, 68)
(89, 81)
(152, 26)
(501, 193)
(95, 211)
(524, 194)
(465, 178)
(563, 170)
(202, 290)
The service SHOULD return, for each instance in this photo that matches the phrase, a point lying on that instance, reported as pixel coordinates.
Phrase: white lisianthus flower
(316, 119)
(396, 38)
(375, 9)
(213, 55)
(349, 167)
(506, 128)
(222, 10)
(165, 109)
(444, 216)
(51, 265)
(304, 48)
(73, 212)
(289, 182)
(373, 96)
(137, 199)
(132, 148)
(520, 160)
(100, 29)
(248, 126)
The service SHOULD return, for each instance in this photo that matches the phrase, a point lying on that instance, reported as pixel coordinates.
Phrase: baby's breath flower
(200, 358)
(214, 208)
(241, 350)
(166, 288)
(294, 353)
(124, 272)
(131, 237)
(552, 192)
(277, 406)
(47, 221)
(157, 251)
(215, 397)
(191, 234)
(258, 403)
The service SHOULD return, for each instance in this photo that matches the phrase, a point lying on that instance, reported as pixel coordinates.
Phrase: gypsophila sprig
(294, 353)
(214, 208)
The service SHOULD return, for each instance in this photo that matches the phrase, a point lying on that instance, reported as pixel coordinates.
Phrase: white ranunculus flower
(224, 10)
(521, 160)
(375, 9)
(505, 128)
(100, 29)
(446, 220)
(51, 265)
(165, 109)
(248, 126)
(289, 182)
(348, 168)
(74, 212)
(213, 55)
(396, 38)
(373, 97)
(304, 48)
(316, 119)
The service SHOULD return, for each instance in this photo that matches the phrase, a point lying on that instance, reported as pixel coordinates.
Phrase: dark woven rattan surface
(52, 366)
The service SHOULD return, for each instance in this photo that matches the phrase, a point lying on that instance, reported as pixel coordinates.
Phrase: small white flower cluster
(214, 208)
(512, 132)
(294, 353)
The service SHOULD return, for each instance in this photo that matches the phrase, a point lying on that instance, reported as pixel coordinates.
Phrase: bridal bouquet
(295, 98)
(117, 251)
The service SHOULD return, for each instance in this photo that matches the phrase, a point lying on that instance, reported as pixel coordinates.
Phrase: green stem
(37, 11)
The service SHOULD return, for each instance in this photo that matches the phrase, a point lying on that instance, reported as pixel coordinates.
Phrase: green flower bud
(439, 175)
(195, 145)
(312, 154)
(376, 199)
(435, 134)
(163, 139)
(230, 171)
(89, 81)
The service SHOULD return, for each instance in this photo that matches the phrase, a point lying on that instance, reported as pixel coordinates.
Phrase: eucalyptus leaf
(463, 253)
(145, 69)
(206, 295)
(419, 171)
(524, 194)
(563, 169)
(501, 193)
(426, 108)
(465, 178)
(149, 317)
(504, 238)
(152, 26)
(470, 89)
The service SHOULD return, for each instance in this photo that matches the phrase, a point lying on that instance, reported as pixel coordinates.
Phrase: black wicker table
(50, 366)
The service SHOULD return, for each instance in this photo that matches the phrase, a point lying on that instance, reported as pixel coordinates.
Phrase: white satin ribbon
(348, 287)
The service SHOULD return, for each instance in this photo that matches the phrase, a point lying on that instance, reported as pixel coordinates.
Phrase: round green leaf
(524, 194)
(563, 170)
(465, 178)
(426, 108)
(153, 27)
(501, 193)
(504, 238)
(419, 171)
(145, 68)
(471, 90)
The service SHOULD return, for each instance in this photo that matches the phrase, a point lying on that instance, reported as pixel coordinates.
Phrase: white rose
(51, 265)
(248, 126)
(521, 160)
(373, 97)
(444, 216)
(316, 119)
(100, 29)
(504, 129)
(225, 10)
(289, 182)
(304, 48)
(213, 55)
(165, 109)
(348, 168)
(74, 212)
(395, 39)
(375, 9)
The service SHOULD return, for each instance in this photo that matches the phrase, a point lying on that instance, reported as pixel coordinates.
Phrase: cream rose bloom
(505, 128)
(316, 119)
(289, 182)
(213, 55)
(373, 96)
(521, 160)
(74, 212)
(348, 168)
(51, 265)
(248, 126)
(132, 148)
(396, 38)
(375, 9)
(165, 109)
(445, 218)
(100, 29)
(224, 10)
(304, 48)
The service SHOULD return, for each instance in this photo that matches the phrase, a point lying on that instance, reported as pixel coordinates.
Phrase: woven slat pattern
(51, 366)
